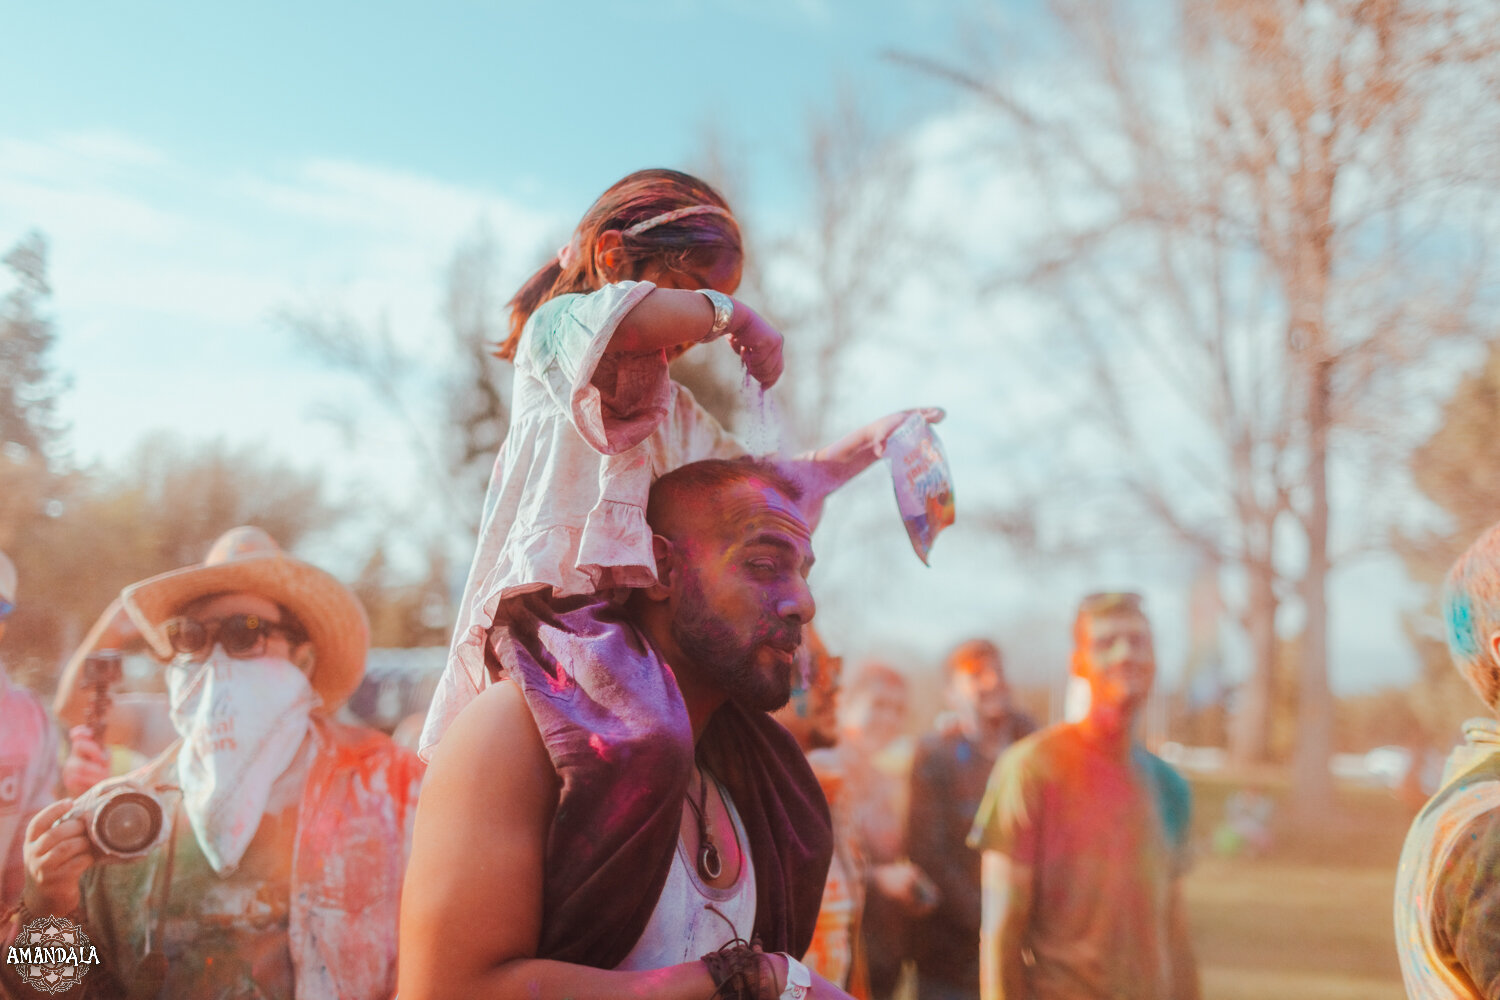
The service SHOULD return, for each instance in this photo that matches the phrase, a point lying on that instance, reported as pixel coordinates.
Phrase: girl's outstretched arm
(674, 317)
(833, 465)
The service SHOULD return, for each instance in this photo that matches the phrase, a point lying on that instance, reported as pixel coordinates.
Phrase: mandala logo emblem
(52, 954)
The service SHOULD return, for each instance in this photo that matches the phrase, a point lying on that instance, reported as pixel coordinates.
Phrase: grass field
(1311, 920)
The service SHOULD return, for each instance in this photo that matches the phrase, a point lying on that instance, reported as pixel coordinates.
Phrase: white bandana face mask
(242, 723)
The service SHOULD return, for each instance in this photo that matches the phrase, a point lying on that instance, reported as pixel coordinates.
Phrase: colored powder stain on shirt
(1096, 831)
(221, 936)
(831, 954)
(1447, 899)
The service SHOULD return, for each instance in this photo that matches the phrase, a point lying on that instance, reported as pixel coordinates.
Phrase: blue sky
(199, 167)
(552, 100)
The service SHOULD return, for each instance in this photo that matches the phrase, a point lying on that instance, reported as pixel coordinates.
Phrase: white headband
(675, 214)
(568, 252)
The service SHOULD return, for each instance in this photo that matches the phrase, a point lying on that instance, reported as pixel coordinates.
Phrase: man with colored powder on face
(947, 783)
(1084, 834)
(1448, 882)
(506, 898)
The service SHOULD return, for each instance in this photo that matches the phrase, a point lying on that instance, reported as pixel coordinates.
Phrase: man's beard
(723, 657)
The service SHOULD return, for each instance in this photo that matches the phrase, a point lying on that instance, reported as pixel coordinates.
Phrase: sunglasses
(242, 636)
(6, 607)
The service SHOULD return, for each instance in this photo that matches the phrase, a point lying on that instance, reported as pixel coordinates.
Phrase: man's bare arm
(471, 907)
(1185, 984)
(1006, 893)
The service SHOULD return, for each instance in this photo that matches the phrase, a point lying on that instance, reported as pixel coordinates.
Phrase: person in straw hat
(28, 758)
(278, 866)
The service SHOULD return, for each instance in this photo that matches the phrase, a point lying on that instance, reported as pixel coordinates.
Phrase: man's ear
(666, 568)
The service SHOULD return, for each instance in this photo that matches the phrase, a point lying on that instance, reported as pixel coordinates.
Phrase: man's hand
(833, 465)
(56, 858)
(1006, 891)
(87, 763)
(905, 883)
(757, 343)
(878, 432)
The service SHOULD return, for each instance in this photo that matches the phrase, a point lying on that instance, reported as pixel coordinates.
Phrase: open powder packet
(924, 487)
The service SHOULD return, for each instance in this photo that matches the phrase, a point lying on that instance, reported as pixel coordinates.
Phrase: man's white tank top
(684, 926)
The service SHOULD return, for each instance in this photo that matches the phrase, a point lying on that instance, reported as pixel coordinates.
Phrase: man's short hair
(967, 657)
(1106, 604)
(714, 475)
(1471, 614)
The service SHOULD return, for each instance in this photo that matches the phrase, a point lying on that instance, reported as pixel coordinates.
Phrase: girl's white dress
(566, 505)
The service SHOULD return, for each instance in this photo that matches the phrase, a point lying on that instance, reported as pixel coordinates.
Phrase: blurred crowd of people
(1037, 862)
(280, 834)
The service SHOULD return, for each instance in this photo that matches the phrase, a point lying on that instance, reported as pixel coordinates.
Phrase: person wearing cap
(278, 866)
(1447, 900)
(948, 778)
(1084, 834)
(28, 759)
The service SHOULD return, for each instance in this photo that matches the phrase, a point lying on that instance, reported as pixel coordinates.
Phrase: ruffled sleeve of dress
(614, 401)
(614, 549)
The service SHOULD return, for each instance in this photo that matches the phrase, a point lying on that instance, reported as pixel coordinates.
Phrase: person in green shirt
(1084, 834)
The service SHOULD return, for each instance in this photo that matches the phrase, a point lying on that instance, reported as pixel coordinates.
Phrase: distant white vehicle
(1389, 764)
(1384, 766)
(1201, 759)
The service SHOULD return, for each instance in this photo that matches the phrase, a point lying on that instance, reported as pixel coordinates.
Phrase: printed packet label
(924, 486)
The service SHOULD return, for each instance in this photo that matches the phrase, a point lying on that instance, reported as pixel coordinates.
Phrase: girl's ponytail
(642, 197)
(538, 289)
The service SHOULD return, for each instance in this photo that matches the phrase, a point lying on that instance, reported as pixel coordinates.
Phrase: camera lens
(128, 823)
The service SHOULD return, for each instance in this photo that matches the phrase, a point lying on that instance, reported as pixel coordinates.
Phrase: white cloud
(166, 276)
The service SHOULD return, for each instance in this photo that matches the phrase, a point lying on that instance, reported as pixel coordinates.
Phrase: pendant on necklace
(709, 865)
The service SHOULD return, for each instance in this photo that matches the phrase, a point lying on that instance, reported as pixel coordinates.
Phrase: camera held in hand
(124, 819)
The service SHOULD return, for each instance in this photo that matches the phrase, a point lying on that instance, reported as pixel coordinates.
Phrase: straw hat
(248, 559)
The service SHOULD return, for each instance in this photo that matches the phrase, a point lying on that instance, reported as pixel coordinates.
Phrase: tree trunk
(1249, 734)
(1312, 784)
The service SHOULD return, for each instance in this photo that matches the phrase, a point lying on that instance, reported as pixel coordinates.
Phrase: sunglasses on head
(241, 635)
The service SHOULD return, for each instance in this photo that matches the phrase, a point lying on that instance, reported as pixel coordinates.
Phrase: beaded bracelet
(740, 972)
